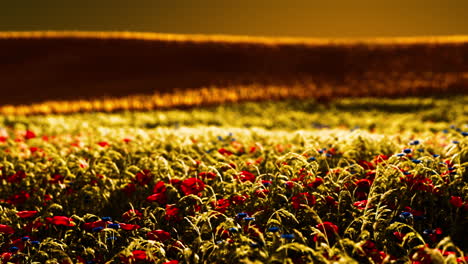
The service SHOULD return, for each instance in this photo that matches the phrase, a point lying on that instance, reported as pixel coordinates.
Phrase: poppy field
(351, 181)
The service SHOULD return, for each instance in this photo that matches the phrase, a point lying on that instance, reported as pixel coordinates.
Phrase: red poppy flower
(316, 183)
(330, 201)
(99, 223)
(26, 214)
(192, 186)
(222, 205)
(5, 229)
(131, 214)
(139, 254)
(159, 187)
(34, 149)
(207, 175)
(456, 201)
(160, 198)
(5, 257)
(327, 228)
(225, 152)
(19, 198)
(60, 220)
(301, 199)
(172, 213)
(126, 140)
(159, 235)
(17, 177)
(246, 176)
(3, 139)
(129, 227)
(103, 144)
(143, 178)
(366, 165)
(159, 195)
(29, 134)
(172, 262)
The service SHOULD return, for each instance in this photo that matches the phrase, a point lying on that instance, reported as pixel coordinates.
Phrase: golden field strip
(62, 72)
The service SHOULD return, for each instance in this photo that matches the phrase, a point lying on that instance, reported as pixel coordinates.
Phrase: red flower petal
(26, 214)
(5, 229)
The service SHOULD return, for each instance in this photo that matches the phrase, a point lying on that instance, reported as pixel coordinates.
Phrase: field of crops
(351, 181)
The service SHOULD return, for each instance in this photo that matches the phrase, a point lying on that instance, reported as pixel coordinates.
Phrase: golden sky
(304, 18)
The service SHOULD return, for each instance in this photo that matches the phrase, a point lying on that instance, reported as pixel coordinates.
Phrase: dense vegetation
(353, 181)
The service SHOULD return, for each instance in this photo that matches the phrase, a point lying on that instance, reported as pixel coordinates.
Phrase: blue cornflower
(407, 150)
(111, 238)
(233, 230)
(416, 161)
(254, 245)
(13, 249)
(311, 159)
(405, 216)
(35, 242)
(455, 142)
(427, 232)
(435, 155)
(287, 236)
(320, 151)
(90, 262)
(406, 173)
(249, 218)
(25, 238)
(445, 131)
(219, 242)
(241, 215)
(106, 218)
(328, 155)
(113, 226)
(266, 183)
(220, 138)
(97, 229)
(400, 154)
(414, 142)
(464, 134)
(273, 229)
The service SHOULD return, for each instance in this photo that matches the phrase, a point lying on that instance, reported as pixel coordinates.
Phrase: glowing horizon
(296, 18)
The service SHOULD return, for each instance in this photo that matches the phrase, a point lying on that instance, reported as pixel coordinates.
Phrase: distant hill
(41, 66)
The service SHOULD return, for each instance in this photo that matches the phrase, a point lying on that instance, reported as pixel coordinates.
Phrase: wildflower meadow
(351, 181)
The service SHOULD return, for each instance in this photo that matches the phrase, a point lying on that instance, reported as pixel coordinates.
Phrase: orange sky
(306, 18)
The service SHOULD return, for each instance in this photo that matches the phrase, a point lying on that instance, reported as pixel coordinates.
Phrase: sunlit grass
(353, 181)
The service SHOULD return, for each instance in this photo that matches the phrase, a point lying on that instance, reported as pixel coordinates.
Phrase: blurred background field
(116, 71)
